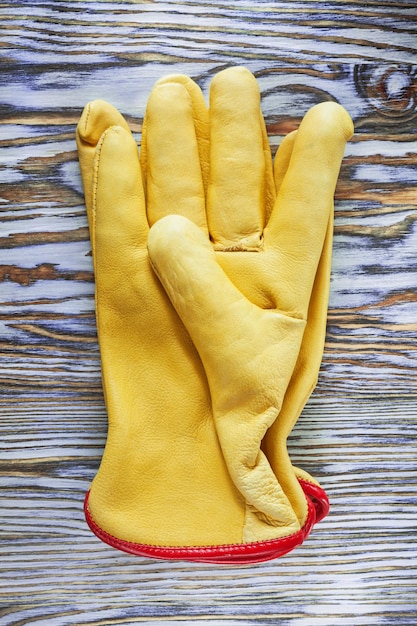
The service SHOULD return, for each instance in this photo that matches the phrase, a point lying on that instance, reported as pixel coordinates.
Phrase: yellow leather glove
(233, 211)
(164, 487)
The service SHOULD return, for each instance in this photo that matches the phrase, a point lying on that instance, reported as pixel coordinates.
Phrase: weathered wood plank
(183, 31)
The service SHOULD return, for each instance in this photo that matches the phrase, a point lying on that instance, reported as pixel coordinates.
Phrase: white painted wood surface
(357, 433)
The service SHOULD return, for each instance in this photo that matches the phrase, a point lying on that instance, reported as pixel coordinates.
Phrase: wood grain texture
(358, 432)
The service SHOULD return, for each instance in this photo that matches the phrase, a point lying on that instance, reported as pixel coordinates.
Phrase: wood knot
(390, 89)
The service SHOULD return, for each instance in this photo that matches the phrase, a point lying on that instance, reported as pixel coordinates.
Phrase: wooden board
(357, 434)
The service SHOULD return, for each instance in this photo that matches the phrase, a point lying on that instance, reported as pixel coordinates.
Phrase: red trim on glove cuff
(227, 554)
(318, 497)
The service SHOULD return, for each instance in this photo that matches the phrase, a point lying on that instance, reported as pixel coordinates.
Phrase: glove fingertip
(96, 117)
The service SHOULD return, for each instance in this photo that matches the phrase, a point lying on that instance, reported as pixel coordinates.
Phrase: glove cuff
(238, 554)
(318, 498)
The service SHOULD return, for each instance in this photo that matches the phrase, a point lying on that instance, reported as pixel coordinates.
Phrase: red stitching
(318, 497)
(228, 553)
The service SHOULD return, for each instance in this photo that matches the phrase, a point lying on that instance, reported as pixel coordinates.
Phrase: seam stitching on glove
(298, 537)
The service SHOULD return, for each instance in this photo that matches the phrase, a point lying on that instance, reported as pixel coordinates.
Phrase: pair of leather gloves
(212, 274)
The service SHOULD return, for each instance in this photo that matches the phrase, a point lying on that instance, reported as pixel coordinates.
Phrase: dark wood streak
(357, 432)
(18, 240)
(44, 271)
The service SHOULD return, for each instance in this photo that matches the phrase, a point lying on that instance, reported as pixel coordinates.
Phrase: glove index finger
(298, 223)
(282, 158)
